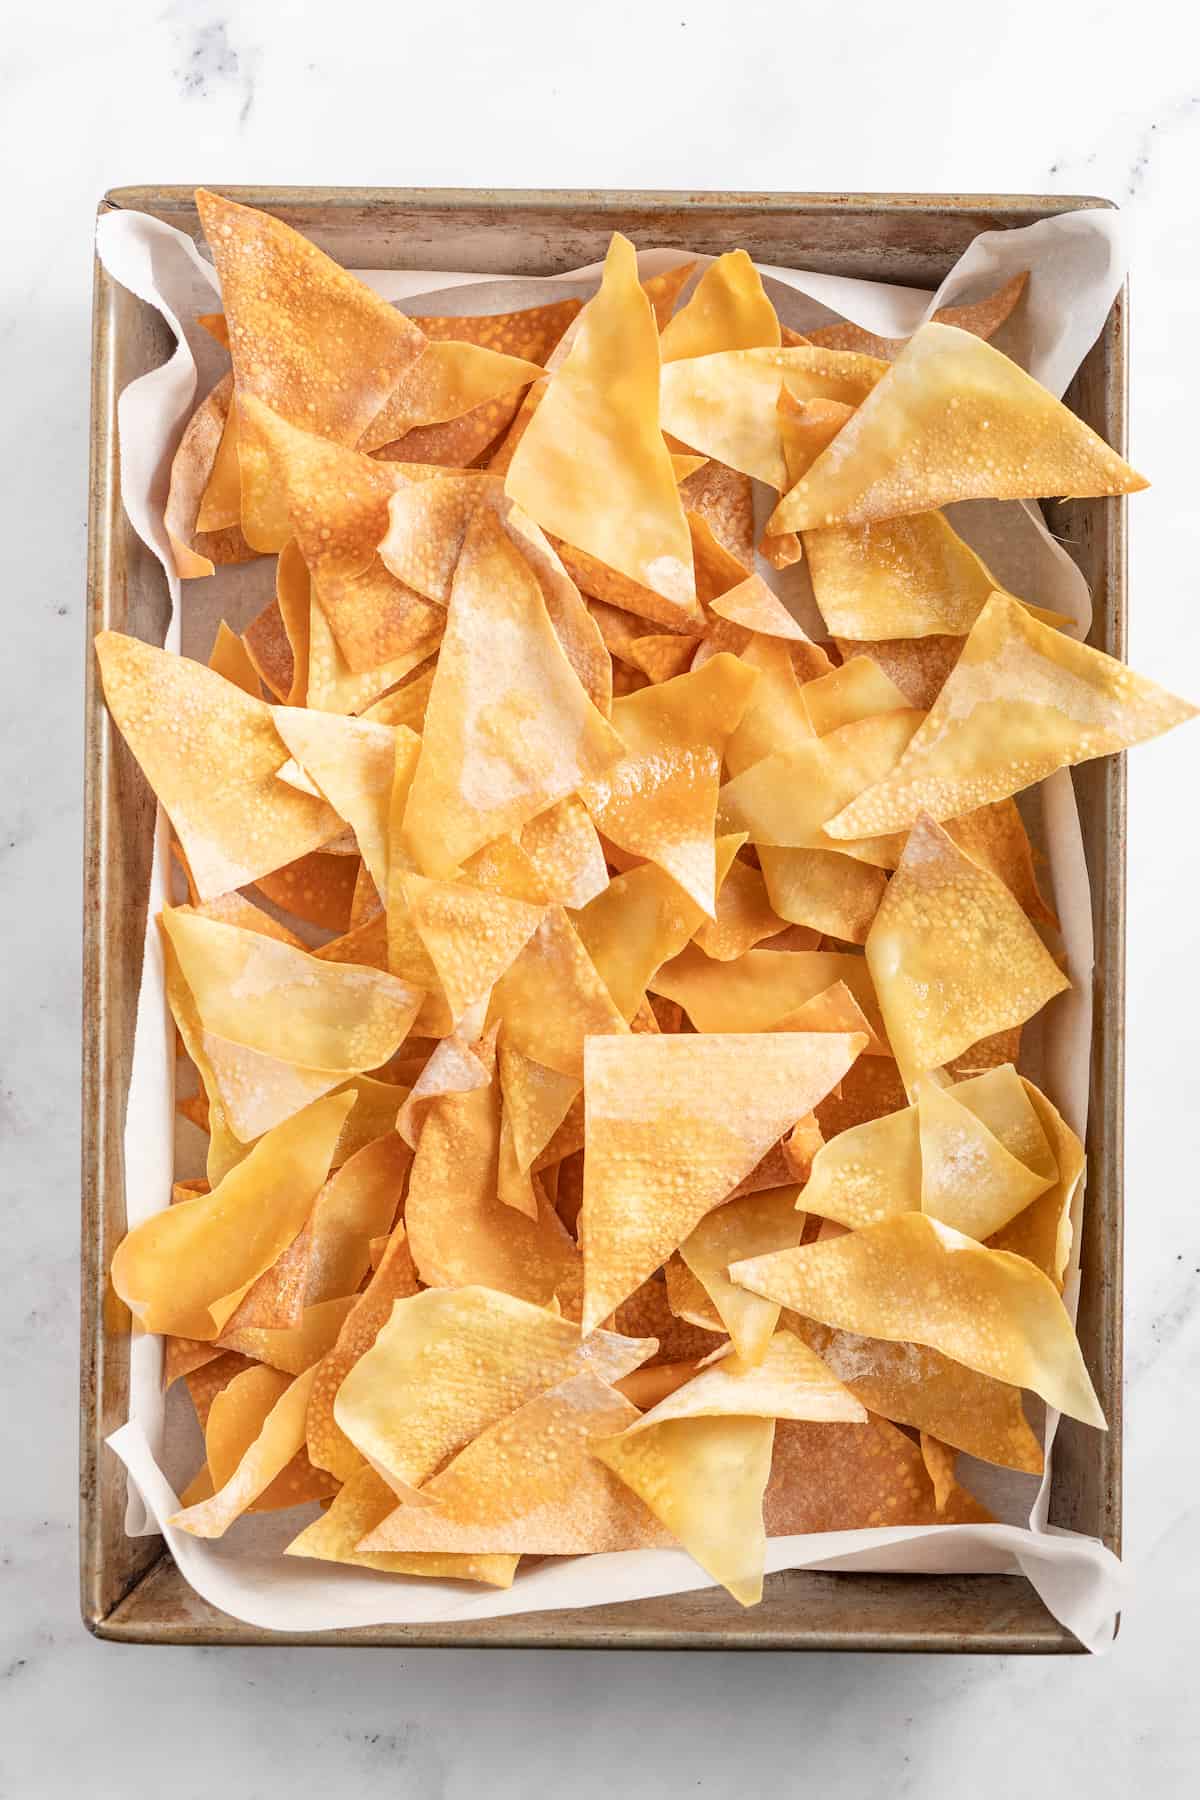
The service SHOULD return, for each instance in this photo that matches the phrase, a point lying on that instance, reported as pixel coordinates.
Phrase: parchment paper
(1076, 266)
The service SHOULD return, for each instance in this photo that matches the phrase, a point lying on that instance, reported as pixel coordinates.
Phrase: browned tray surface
(131, 1589)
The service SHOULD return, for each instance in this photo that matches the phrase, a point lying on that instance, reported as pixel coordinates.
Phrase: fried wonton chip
(1042, 1233)
(210, 752)
(756, 991)
(660, 799)
(509, 729)
(854, 1477)
(720, 499)
(281, 1436)
(352, 762)
(911, 1279)
(230, 659)
(565, 852)
(405, 705)
(591, 466)
(356, 1204)
(753, 605)
(868, 1173)
(450, 1362)
(648, 1313)
(1021, 701)
(983, 317)
(529, 1483)
(952, 956)
(995, 837)
(787, 1382)
(316, 887)
(968, 1179)
(775, 717)
(536, 1101)
(173, 1268)
(472, 936)
(292, 1348)
(307, 338)
(704, 1480)
(361, 1505)
(724, 405)
(332, 684)
(910, 577)
(728, 310)
(917, 1386)
(322, 1015)
(449, 378)
(269, 648)
(823, 889)
(788, 798)
(203, 444)
(744, 912)
(460, 1231)
(688, 1298)
(638, 923)
(673, 1124)
(972, 424)
(394, 1278)
(751, 1226)
(552, 998)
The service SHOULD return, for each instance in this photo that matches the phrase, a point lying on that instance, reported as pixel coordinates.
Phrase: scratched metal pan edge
(131, 1591)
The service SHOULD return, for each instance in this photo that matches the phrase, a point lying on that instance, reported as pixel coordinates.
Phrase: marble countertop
(694, 95)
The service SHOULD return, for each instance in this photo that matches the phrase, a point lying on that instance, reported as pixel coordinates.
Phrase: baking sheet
(1076, 268)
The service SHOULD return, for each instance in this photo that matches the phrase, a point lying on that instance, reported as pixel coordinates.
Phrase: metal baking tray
(131, 1589)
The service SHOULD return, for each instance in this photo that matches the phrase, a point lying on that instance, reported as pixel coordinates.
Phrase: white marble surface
(1067, 97)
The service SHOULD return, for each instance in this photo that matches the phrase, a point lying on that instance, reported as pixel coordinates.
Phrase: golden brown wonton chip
(316, 887)
(1021, 701)
(673, 1124)
(973, 425)
(451, 377)
(362, 1504)
(911, 577)
(195, 551)
(210, 752)
(750, 1226)
(912, 1280)
(952, 956)
(1043, 1231)
(758, 990)
(854, 1477)
(983, 317)
(230, 659)
(591, 466)
(823, 889)
(968, 1178)
(552, 998)
(279, 1439)
(918, 666)
(728, 310)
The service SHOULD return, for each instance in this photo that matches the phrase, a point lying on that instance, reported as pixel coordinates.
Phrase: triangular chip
(286, 1003)
(752, 604)
(176, 1265)
(851, 694)
(641, 920)
(566, 854)
(983, 317)
(755, 991)
(307, 338)
(869, 1172)
(744, 912)
(918, 666)
(536, 1101)
(898, 578)
(291, 1348)
(787, 1382)
(854, 1477)
(750, 1226)
(196, 552)
(823, 889)
(913, 1280)
(968, 1179)
(704, 1480)
(356, 1204)
(258, 1091)
(450, 1362)
(394, 1279)
(552, 998)
(1021, 701)
(724, 405)
(230, 659)
(267, 1456)
(471, 936)
(728, 310)
(660, 799)
(952, 956)
(673, 1124)
(969, 423)
(362, 1504)
(210, 752)
(351, 761)
(530, 1484)
(509, 729)
(591, 466)
(775, 716)
(448, 379)
(1043, 1231)
(995, 837)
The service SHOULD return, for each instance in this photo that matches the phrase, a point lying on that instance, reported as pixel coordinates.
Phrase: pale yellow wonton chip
(361, 1505)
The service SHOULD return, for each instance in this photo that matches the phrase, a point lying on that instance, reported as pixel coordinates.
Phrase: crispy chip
(918, 666)
(332, 684)
(854, 1477)
(493, 756)
(565, 852)
(704, 1479)
(351, 761)
(195, 552)
(307, 338)
(660, 799)
(450, 1362)
(472, 936)
(952, 956)
(230, 659)
(591, 465)
(536, 1101)
(983, 317)
(744, 912)
(940, 1462)
(648, 1313)
(274, 1446)
(361, 1505)
(529, 1483)
(753, 605)
(721, 500)
(911, 1279)
(673, 1124)
(968, 1178)
(1043, 1231)
(775, 716)
(291, 1348)
(316, 887)
(751, 1226)
(1021, 701)
(787, 1382)
(449, 378)
(869, 1172)
(395, 1278)
(850, 694)
(898, 578)
(688, 1298)
(973, 425)
(641, 920)
(728, 310)
(552, 998)
(322, 1015)
(210, 752)
(356, 1204)
(172, 1268)
(756, 991)
(823, 889)
(724, 405)
(995, 837)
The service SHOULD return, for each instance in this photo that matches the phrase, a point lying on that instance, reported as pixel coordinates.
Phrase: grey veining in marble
(1074, 96)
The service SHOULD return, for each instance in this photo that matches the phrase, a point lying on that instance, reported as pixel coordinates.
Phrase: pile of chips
(605, 996)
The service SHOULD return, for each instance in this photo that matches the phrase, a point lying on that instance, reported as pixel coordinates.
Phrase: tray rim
(154, 1605)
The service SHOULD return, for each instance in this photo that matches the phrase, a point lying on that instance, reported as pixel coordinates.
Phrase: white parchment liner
(1076, 267)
